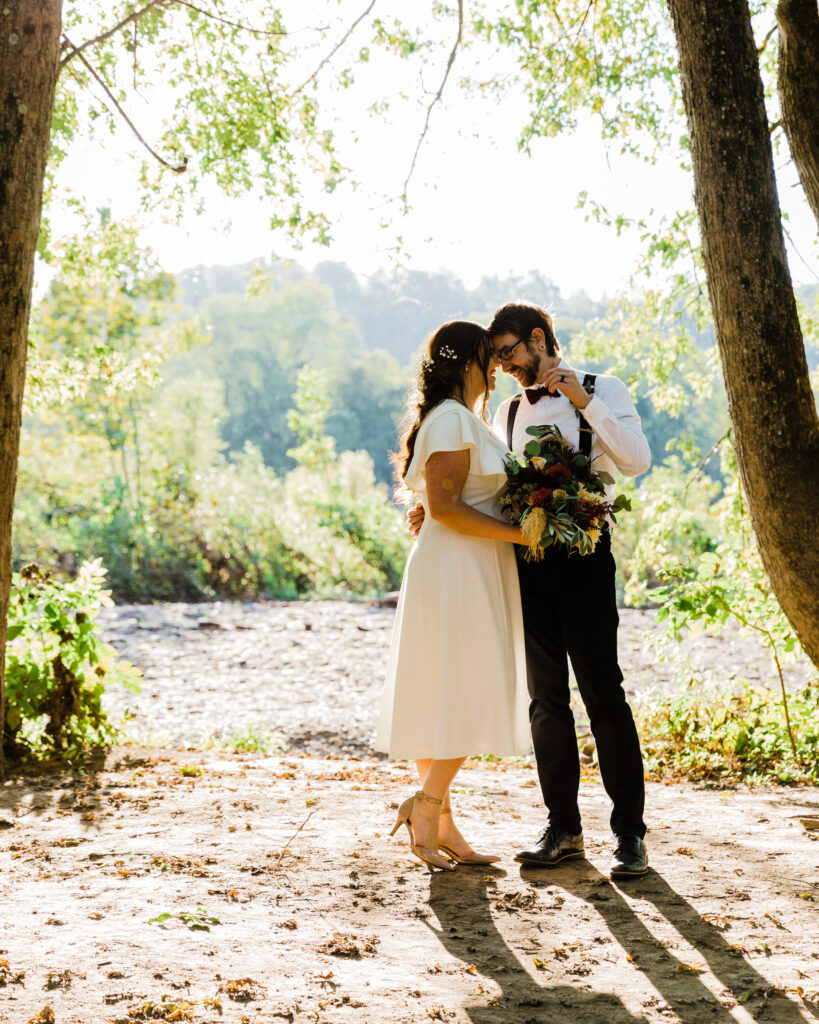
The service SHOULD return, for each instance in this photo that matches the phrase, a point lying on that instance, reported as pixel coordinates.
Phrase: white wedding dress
(456, 676)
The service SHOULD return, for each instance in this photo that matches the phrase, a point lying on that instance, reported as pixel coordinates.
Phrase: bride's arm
(446, 474)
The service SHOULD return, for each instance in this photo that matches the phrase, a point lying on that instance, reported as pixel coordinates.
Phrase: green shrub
(348, 534)
(57, 666)
(740, 736)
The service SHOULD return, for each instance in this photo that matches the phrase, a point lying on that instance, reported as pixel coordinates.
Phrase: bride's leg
(449, 836)
(422, 764)
(436, 780)
(447, 831)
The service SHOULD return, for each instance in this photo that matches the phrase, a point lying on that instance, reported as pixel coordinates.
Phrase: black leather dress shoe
(552, 847)
(630, 857)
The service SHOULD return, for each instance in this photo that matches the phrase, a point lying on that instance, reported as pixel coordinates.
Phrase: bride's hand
(415, 519)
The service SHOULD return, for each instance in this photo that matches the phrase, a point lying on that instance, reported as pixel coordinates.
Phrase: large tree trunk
(29, 49)
(799, 89)
(776, 429)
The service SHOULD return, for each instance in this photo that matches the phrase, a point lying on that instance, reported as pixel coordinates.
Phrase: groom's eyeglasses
(509, 350)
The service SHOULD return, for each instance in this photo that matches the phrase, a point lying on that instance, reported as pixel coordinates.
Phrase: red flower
(559, 472)
(540, 497)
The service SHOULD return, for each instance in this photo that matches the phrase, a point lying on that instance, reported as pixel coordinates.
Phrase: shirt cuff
(596, 411)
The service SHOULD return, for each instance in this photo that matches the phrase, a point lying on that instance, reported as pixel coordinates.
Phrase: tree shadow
(462, 902)
(679, 986)
(39, 788)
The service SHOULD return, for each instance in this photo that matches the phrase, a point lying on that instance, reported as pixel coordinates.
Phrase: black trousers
(570, 610)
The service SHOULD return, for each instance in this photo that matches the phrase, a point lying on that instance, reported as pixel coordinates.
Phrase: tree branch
(136, 15)
(805, 263)
(133, 16)
(574, 43)
(772, 644)
(335, 49)
(290, 840)
(700, 468)
(178, 168)
(231, 24)
(798, 84)
(435, 99)
(761, 48)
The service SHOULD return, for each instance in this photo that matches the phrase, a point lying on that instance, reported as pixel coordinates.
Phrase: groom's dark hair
(520, 319)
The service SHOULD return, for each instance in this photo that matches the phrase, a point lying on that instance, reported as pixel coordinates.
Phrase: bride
(456, 676)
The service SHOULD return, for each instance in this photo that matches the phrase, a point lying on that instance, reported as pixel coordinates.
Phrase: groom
(569, 602)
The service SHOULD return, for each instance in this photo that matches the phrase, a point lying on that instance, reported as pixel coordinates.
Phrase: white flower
(538, 463)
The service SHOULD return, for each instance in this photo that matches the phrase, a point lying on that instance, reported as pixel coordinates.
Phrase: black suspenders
(585, 429)
(510, 422)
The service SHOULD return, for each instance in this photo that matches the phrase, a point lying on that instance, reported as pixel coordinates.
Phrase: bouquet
(554, 495)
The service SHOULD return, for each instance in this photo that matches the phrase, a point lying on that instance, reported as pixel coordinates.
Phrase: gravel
(307, 675)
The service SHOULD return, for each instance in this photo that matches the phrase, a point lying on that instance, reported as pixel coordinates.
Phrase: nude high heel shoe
(469, 858)
(429, 857)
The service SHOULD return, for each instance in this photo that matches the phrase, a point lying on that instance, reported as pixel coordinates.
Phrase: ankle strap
(421, 795)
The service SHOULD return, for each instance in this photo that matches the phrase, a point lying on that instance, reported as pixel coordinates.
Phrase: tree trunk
(776, 429)
(799, 89)
(29, 50)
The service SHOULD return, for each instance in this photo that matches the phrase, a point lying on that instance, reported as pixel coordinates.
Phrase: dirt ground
(173, 885)
(185, 884)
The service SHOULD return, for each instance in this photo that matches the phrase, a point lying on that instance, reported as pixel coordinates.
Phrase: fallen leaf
(45, 1016)
(689, 968)
(349, 945)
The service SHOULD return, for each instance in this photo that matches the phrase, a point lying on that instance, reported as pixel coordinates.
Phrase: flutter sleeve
(452, 428)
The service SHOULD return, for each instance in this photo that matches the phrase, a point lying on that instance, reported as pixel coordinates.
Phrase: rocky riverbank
(307, 675)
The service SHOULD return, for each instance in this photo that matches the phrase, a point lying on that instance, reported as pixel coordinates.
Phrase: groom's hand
(564, 380)
(415, 518)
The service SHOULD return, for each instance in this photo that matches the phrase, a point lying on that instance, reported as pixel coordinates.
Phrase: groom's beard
(528, 374)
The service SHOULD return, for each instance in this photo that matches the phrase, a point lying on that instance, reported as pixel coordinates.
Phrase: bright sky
(478, 206)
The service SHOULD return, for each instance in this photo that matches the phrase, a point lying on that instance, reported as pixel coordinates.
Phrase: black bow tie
(535, 394)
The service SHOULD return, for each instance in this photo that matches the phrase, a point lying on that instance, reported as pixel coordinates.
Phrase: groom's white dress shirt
(618, 442)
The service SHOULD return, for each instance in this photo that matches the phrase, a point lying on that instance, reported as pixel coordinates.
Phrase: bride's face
(474, 382)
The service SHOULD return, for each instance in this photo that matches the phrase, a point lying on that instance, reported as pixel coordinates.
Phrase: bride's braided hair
(441, 376)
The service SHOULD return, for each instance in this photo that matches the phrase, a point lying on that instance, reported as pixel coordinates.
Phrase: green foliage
(129, 467)
(219, 95)
(308, 420)
(700, 561)
(732, 737)
(614, 59)
(102, 329)
(250, 739)
(692, 552)
(195, 920)
(57, 666)
(347, 534)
